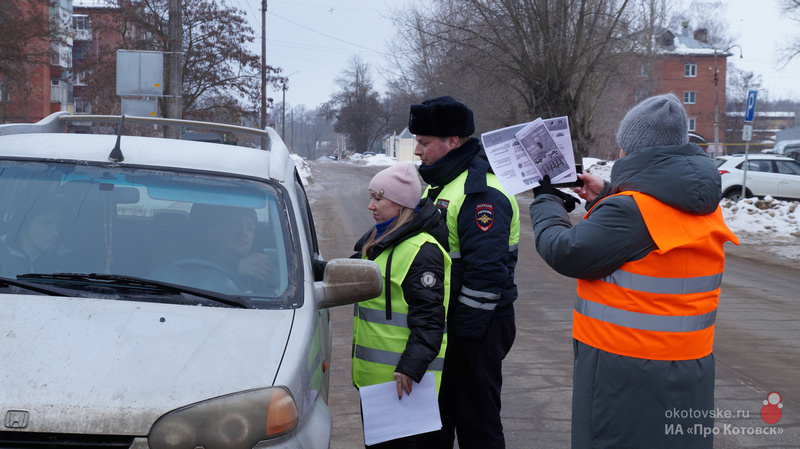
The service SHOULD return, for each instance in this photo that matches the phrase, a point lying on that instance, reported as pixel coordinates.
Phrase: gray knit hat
(655, 122)
(399, 184)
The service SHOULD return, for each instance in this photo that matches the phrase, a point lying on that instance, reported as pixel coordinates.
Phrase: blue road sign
(751, 106)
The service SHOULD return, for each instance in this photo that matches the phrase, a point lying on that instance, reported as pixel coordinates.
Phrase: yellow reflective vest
(379, 340)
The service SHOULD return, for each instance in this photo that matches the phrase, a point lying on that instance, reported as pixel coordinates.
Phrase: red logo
(484, 216)
(771, 411)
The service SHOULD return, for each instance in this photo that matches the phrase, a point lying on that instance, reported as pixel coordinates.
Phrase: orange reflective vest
(661, 307)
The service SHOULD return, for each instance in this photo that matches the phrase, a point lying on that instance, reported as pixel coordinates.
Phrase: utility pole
(264, 71)
(716, 101)
(174, 68)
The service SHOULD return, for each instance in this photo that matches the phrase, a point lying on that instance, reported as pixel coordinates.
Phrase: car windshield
(209, 233)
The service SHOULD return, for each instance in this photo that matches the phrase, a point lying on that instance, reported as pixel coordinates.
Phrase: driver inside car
(220, 254)
(230, 238)
(33, 245)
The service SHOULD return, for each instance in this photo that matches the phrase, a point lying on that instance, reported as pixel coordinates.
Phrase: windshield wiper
(131, 282)
(50, 291)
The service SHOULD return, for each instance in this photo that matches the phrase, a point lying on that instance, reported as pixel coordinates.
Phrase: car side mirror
(347, 281)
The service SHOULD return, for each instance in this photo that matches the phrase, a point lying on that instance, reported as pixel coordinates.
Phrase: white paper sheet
(514, 168)
(388, 418)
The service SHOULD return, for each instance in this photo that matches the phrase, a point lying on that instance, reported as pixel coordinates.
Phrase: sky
(761, 30)
(313, 40)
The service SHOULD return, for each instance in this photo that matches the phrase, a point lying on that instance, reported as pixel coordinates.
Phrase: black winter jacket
(426, 312)
(485, 266)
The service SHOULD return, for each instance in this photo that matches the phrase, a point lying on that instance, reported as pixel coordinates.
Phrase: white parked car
(160, 293)
(767, 174)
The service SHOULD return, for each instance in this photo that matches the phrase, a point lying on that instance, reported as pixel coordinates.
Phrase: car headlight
(234, 421)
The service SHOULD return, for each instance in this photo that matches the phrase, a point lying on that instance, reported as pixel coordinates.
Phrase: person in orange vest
(648, 257)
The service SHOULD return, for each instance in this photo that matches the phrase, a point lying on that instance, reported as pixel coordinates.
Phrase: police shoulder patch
(428, 279)
(484, 216)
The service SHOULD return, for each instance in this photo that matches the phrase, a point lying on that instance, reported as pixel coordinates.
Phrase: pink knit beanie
(399, 184)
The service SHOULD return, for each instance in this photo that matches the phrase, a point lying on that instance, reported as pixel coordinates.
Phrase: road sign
(751, 106)
(747, 132)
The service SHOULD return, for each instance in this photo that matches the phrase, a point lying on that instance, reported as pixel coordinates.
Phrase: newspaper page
(559, 130)
(514, 167)
(543, 151)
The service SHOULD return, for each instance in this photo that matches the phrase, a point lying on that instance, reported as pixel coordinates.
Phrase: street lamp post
(283, 107)
(716, 102)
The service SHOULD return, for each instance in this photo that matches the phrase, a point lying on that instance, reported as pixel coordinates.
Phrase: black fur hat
(441, 117)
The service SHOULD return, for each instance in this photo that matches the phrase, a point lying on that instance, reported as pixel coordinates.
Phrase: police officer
(483, 225)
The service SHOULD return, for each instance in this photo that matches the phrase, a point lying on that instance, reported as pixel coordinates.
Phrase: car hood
(110, 366)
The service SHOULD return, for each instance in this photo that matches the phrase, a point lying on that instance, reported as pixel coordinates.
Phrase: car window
(760, 166)
(788, 167)
(210, 232)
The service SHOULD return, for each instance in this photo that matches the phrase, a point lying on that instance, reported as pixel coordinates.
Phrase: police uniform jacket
(487, 230)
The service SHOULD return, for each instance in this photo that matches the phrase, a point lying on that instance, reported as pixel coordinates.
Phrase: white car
(160, 293)
(767, 174)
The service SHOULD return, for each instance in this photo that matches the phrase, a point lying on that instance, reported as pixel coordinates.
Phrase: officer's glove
(546, 188)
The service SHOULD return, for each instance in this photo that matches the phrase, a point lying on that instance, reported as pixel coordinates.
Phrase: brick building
(685, 64)
(49, 87)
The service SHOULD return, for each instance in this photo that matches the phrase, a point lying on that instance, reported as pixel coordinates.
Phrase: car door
(788, 174)
(760, 179)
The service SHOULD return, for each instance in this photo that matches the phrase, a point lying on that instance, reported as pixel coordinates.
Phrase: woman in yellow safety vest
(400, 335)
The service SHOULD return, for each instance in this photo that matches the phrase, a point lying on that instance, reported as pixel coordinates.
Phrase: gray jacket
(614, 233)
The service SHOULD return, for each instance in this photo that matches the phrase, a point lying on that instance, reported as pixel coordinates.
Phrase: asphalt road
(756, 347)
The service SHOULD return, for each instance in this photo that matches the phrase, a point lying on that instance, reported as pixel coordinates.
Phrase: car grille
(27, 440)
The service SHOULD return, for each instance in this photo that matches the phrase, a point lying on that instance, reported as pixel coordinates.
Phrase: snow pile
(374, 159)
(303, 168)
(380, 160)
(765, 220)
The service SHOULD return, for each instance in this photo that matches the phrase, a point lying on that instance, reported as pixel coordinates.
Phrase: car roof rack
(54, 123)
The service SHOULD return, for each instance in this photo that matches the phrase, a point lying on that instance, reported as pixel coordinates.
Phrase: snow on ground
(377, 160)
(770, 224)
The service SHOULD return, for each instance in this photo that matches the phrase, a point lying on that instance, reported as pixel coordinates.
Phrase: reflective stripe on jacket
(663, 306)
(380, 335)
(479, 296)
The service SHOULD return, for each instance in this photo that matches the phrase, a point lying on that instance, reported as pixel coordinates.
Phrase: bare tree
(740, 82)
(25, 31)
(791, 10)
(220, 75)
(708, 15)
(515, 60)
(356, 109)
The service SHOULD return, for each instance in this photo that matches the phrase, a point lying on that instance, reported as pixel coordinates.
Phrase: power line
(328, 36)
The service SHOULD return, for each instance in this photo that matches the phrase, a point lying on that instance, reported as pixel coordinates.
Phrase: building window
(81, 22)
(690, 70)
(691, 124)
(82, 106)
(689, 97)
